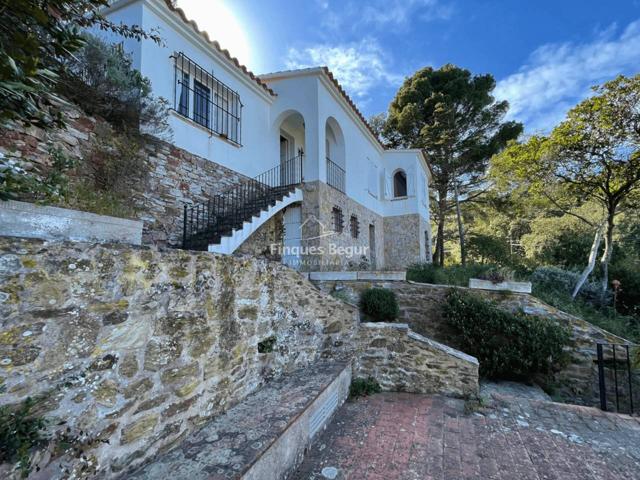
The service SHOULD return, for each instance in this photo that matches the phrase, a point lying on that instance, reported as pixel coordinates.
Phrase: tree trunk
(593, 254)
(463, 250)
(608, 251)
(441, 214)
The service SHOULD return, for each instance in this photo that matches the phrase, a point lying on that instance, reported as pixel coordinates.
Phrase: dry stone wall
(421, 308)
(404, 361)
(138, 347)
(176, 177)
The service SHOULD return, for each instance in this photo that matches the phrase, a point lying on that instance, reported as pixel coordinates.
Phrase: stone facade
(404, 361)
(405, 240)
(317, 216)
(176, 177)
(139, 347)
(259, 242)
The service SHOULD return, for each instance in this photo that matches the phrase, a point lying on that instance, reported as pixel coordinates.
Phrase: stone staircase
(263, 437)
(228, 218)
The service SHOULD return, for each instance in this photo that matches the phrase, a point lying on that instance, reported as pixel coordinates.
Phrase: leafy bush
(20, 181)
(564, 281)
(487, 249)
(507, 345)
(380, 304)
(450, 275)
(35, 39)
(20, 431)
(361, 387)
(100, 79)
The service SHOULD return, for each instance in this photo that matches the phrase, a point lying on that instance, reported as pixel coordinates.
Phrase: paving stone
(411, 436)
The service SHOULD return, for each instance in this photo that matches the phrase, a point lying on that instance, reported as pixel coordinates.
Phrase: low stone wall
(421, 308)
(21, 219)
(138, 347)
(404, 361)
(176, 177)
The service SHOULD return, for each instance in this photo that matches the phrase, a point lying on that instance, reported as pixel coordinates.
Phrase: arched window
(400, 184)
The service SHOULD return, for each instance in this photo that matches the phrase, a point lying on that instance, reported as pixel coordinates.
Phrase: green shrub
(449, 275)
(380, 304)
(20, 431)
(19, 181)
(361, 387)
(507, 345)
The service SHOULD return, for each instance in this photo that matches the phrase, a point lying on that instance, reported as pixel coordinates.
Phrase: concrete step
(263, 437)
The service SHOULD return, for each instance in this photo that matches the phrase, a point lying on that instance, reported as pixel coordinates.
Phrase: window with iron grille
(338, 219)
(200, 96)
(354, 226)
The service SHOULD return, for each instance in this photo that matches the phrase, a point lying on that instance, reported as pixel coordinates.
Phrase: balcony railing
(335, 176)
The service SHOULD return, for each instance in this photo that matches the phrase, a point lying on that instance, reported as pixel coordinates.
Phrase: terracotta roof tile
(351, 104)
(217, 47)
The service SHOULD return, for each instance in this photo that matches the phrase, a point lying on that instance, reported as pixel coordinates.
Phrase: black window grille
(338, 219)
(354, 226)
(215, 106)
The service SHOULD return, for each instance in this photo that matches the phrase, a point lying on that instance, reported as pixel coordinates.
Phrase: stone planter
(28, 220)
(518, 287)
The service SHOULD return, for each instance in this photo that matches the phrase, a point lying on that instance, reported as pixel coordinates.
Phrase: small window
(338, 219)
(354, 226)
(400, 184)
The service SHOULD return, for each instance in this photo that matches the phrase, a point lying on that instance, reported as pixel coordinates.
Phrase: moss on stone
(28, 262)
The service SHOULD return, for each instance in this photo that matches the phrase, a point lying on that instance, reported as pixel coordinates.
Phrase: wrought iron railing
(615, 367)
(205, 223)
(201, 97)
(335, 175)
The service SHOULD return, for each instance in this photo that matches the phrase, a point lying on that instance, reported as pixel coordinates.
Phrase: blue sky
(544, 54)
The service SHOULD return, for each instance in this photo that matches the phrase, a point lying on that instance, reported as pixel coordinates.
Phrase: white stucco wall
(309, 93)
(257, 153)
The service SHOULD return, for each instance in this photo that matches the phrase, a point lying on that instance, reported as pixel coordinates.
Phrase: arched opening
(400, 184)
(335, 155)
(291, 140)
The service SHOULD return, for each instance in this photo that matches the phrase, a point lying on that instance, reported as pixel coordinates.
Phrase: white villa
(317, 167)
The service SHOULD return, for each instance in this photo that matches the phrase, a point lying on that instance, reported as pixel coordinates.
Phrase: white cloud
(557, 76)
(359, 67)
(382, 13)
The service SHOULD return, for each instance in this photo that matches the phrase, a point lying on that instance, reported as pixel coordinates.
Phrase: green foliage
(82, 196)
(100, 79)
(450, 275)
(362, 387)
(20, 181)
(507, 345)
(564, 241)
(483, 248)
(554, 286)
(36, 36)
(380, 304)
(564, 281)
(20, 431)
(452, 115)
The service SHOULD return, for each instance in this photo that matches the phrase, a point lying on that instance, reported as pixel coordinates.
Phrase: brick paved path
(404, 436)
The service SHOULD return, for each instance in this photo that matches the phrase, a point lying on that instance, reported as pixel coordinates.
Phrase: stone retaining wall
(176, 177)
(138, 347)
(421, 308)
(404, 361)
